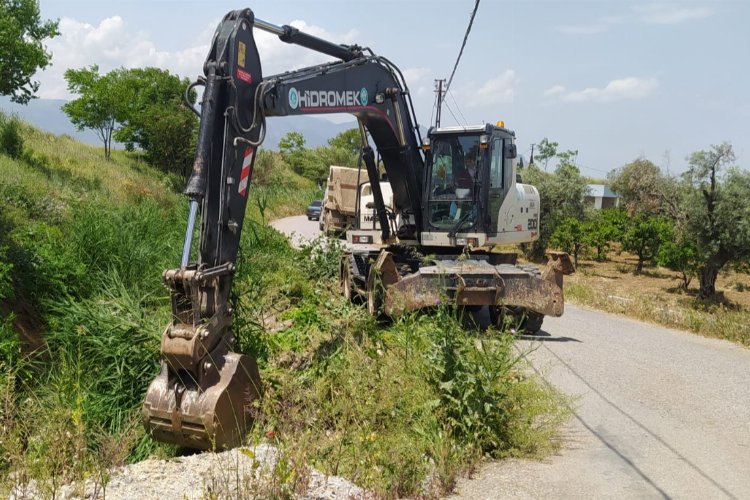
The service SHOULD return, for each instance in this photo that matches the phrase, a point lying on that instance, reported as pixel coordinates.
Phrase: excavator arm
(203, 397)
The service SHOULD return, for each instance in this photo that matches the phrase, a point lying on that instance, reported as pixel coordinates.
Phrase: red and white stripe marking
(247, 164)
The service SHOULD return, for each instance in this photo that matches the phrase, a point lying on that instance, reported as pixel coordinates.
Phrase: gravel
(238, 473)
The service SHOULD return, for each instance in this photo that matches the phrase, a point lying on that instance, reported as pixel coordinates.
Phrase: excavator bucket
(204, 396)
(215, 414)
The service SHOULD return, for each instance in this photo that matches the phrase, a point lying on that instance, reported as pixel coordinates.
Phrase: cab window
(496, 164)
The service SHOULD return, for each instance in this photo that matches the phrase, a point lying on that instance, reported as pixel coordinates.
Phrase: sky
(616, 80)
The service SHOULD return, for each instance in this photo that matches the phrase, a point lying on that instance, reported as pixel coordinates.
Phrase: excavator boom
(203, 397)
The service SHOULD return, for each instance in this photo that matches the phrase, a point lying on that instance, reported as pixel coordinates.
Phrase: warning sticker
(247, 165)
(241, 55)
(244, 76)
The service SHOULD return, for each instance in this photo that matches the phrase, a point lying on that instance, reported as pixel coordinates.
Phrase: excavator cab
(471, 181)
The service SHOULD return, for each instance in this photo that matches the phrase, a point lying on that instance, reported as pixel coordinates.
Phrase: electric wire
(466, 37)
(458, 108)
(451, 112)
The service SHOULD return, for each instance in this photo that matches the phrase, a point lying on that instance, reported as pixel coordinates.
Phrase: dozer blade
(210, 415)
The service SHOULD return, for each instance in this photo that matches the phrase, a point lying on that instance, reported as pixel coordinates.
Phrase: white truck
(347, 207)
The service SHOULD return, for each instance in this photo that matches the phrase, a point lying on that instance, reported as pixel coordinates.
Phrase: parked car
(313, 210)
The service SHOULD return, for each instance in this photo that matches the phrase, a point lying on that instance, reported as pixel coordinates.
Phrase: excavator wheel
(528, 322)
(375, 302)
(532, 323)
(345, 278)
(375, 296)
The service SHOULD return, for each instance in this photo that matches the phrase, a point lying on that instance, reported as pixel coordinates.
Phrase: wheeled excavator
(455, 194)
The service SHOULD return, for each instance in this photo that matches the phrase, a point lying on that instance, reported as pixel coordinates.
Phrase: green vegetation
(384, 406)
(562, 193)
(83, 242)
(314, 164)
(137, 107)
(22, 51)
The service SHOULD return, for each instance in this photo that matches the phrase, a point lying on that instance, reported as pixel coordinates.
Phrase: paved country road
(298, 228)
(657, 413)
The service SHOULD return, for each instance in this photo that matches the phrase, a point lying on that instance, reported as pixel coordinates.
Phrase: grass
(401, 409)
(654, 296)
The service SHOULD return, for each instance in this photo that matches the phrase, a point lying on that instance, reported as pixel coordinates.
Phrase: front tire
(516, 319)
(345, 278)
(532, 322)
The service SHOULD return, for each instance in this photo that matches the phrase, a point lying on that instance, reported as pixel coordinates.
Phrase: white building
(600, 196)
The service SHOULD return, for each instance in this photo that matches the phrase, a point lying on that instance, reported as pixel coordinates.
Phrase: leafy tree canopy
(643, 188)
(153, 117)
(348, 140)
(22, 52)
(715, 212)
(139, 107)
(97, 107)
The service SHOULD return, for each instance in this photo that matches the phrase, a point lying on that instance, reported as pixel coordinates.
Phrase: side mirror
(510, 151)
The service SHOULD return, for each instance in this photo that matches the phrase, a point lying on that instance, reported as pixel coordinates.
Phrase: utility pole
(439, 91)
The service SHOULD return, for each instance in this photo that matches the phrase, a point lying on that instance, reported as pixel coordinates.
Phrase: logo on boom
(327, 98)
(293, 98)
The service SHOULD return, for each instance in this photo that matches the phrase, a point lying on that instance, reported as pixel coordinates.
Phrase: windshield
(452, 181)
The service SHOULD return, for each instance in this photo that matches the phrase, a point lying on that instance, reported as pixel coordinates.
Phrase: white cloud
(498, 90)
(419, 81)
(113, 44)
(630, 88)
(554, 90)
(416, 76)
(670, 13)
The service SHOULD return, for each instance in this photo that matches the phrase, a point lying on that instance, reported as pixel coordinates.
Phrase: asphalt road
(298, 228)
(657, 413)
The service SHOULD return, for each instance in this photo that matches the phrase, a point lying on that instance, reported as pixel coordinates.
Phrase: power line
(466, 37)
(466, 122)
(451, 112)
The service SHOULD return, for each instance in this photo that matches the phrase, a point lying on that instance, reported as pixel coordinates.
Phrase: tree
(549, 149)
(153, 117)
(604, 227)
(643, 188)
(570, 236)
(715, 213)
(348, 140)
(96, 108)
(292, 149)
(644, 236)
(139, 107)
(679, 256)
(546, 150)
(22, 52)
(562, 194)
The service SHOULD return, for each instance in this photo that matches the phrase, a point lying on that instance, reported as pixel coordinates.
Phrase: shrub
(11, 142)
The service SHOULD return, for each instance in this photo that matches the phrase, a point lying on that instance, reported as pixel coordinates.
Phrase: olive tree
(715, 213)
